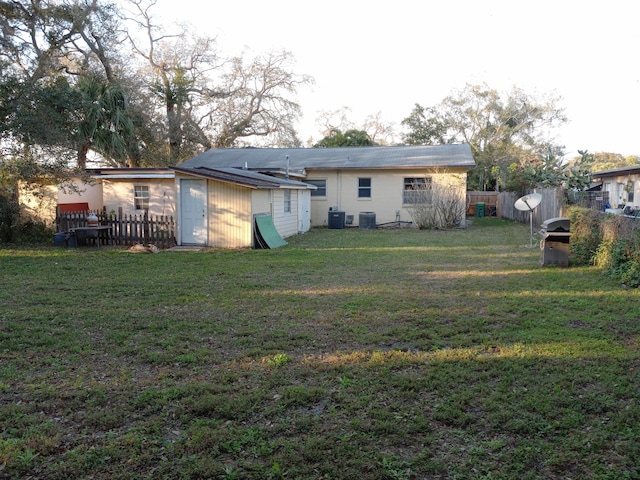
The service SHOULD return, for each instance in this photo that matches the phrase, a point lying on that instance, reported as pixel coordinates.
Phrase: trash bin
(556, 236)
(480, 209)
(59, 238)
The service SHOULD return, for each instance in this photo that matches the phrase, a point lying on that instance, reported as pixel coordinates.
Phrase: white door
(193, 212)
(304, 211)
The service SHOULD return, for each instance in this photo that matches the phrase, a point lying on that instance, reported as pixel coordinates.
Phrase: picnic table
(84, 235)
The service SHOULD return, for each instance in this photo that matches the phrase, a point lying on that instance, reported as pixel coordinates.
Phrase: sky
(386, 56)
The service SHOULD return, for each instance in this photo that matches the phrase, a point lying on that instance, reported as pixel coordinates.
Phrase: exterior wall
(230, 219)
(38, 205)
(285, 222)
(386, 192)
(118, 193)
(87, 192)
(272, 202)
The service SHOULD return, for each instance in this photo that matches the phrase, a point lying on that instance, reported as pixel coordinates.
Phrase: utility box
(336, 219)
(367, 221)
(556, 235)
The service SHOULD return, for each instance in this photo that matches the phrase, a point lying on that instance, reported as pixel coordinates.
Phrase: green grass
(387, 354)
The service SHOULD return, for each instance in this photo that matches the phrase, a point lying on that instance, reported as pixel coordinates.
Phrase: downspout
(338, 188)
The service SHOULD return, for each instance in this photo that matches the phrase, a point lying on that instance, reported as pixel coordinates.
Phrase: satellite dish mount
(529, 203)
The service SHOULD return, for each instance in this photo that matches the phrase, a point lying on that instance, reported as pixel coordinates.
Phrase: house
(126, 191)
(354, 180)
(220, 198)
(623, 185)
(217, 206)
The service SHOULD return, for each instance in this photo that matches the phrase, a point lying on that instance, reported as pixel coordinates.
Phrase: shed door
(193, 212)
(304, 211)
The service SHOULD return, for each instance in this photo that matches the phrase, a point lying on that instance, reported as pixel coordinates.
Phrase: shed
(217, 207)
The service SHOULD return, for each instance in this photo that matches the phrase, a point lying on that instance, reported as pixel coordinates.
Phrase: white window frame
(141, 197)
(417, 191)
(287, 200)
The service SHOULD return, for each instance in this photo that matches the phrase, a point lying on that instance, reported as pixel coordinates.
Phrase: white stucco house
(216, 197)
(378, 180)
(623, 185)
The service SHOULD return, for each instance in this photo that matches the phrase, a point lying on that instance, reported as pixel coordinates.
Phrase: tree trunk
(175, 133)
(82, 155)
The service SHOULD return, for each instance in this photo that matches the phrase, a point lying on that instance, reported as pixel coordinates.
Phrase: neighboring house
(623, 185)
(379, 180)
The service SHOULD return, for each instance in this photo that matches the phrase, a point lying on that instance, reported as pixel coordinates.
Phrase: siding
(230, 219)
(286, 223)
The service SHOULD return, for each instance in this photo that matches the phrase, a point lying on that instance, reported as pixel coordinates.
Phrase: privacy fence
(124, 230)
(554, 203)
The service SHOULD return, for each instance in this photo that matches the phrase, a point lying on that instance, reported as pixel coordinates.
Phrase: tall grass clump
(586, 234)
(619, 251)
(606, 241)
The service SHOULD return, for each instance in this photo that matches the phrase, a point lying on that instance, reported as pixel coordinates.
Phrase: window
(416, 191)
(141, 197)
(321, 191)
(287, 201)
(630, 192)
(364, 188)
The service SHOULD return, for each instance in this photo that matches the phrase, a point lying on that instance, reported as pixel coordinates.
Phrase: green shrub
(606, 241)
(33, 232)
(586, 234)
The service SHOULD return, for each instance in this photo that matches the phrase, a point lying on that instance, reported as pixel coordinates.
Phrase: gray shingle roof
(458, 155)
(242, 177)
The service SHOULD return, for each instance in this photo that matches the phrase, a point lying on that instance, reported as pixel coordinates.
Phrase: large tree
(60, 59)
(607, 160)
(211, 101)
(104, 122)
(330, 122)
(504, 130)
(350, 138)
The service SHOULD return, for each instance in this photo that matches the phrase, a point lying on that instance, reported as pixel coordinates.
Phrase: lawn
(348, 354)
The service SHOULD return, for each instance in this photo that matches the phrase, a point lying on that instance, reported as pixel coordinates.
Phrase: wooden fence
(552, 205)
(490, 199)
(125, 230)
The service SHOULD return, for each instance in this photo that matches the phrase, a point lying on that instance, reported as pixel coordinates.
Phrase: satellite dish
(528, 203)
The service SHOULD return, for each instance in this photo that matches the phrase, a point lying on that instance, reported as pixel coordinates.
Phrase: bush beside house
(606, 241)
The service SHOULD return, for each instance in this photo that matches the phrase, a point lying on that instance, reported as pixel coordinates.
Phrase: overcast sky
(386, 56)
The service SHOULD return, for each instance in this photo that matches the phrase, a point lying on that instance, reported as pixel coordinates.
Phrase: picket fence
(125, 230)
